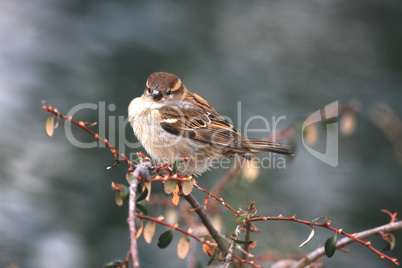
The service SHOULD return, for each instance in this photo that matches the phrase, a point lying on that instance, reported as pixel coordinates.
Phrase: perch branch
(319, 252)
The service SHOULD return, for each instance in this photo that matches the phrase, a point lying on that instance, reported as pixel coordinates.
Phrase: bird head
(164, 88)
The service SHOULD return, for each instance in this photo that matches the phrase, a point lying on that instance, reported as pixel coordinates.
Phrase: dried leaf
(49, 125)
(183, 246)
(391, 241)
(176, 197)
(169, 186)
(139, 231)
(116, 186)
(208, 250)
(149, 187)
(253, 245)
(187, 187)
(118, 199)
(309, 238)
(149, 231)
(129, 177)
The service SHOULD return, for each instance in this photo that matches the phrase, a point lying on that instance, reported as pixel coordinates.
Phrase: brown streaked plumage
(173, 122)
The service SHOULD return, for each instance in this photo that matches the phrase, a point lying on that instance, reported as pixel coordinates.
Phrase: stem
(203, 216)
(247, 238)
(131, 222)
(229, 256)
(319, 252)
(220, 200)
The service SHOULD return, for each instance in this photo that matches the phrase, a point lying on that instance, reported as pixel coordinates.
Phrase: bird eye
(149, 90)
(169, 92)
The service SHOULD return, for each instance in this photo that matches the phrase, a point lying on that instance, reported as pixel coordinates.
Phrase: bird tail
(257, 146)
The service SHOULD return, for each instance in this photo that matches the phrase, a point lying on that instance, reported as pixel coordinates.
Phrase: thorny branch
(319, 252)
(352, 237)
(286, 133)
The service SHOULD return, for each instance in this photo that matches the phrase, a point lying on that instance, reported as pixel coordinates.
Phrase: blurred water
(278, 58)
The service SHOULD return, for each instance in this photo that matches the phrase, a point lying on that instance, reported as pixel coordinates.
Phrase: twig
(204, 241)
(247, 238)
(174, 227)
(229, 256)
(286, 133)
(239, 248)
(319, 252)
(231, 174)
(131, 223)
(338, 231)
(83, 125)
(140, 172)
(220, 200)
(203, 217)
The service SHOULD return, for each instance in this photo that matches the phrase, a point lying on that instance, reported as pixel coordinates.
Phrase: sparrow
(172, 122)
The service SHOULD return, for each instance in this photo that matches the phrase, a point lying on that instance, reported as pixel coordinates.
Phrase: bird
(173, 122)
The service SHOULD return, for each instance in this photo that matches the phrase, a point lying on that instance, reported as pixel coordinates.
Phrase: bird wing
(195, 118)
(198, 121)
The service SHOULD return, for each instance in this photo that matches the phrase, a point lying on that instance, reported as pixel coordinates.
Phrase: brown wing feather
(198, 125)
(198, 120)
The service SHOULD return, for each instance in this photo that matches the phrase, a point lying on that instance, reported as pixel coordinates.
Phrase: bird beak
(156, 94)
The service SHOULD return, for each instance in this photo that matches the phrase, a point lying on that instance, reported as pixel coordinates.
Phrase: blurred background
(278, 58)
